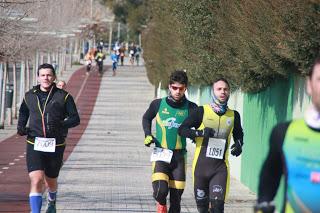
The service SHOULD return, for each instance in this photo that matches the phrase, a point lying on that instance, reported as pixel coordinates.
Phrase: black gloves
(22, 130)
(206, 132)
(236, 148)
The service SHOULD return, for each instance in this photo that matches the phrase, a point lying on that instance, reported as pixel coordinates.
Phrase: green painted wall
(261, 112)
(205, 95)
(193, 94)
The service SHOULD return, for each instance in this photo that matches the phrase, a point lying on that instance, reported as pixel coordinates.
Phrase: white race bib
(160, 154)
(215, 148)
(45, 144)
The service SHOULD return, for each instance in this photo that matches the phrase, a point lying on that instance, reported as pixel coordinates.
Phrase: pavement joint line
(82, 86)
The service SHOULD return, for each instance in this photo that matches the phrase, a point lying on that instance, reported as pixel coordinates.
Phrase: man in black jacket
(50, 111)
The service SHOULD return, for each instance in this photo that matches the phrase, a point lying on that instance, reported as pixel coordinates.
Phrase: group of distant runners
(96, 56)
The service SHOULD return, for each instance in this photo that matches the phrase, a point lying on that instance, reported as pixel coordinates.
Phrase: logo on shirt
(171, 123)
(201, 194)
(315, 177)
(165, 111)
(229, 122)
(181, 113)
(217, 189)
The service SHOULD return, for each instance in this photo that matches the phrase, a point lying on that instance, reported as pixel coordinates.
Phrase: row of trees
(37, 31)
(252, 43)
(131, 13)
(36, 24)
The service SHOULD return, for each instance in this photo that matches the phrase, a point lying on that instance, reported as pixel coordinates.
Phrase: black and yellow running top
(204, 116)
(223, 124)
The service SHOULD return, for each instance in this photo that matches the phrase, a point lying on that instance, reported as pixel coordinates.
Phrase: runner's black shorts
(49, 162)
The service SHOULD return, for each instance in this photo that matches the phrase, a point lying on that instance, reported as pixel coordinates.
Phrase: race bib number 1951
(215, 148)
(45, 144)
(160, 154)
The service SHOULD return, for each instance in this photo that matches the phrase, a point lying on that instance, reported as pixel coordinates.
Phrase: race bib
(45, 144)
(160, 154)
(215, 148)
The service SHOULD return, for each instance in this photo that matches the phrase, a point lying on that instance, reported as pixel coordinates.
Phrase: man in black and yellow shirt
(168, 172)
(210, 126)
(50, 111)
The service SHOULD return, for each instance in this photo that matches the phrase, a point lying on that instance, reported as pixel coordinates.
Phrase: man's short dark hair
(315, 63)
(221, 79)
(46, 66)
(179, 76)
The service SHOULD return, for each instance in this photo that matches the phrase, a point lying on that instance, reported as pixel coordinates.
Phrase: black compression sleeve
(237, 129)
(273, 166)
(23, 114)
(193, 120)
(192, 107)
(149, 115)
(73, 118)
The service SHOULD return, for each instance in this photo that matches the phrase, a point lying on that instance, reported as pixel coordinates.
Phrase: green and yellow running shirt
(168, 120)
(169, 109)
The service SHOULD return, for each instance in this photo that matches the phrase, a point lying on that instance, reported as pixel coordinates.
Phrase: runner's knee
(160, 191)
(36, 179)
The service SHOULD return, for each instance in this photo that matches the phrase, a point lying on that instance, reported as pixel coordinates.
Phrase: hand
(264, 207)
(149, 140)
(22, 131)
(208, 132)
(236, 148)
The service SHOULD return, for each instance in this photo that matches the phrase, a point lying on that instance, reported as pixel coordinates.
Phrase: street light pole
(1, 91)
(110, 37)
(91, 4)
(3, 97)
(118, 31)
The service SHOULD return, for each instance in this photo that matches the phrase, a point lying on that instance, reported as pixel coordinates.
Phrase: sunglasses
(182, 88)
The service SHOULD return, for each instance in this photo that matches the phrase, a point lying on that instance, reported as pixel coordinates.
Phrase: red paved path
(14, 182)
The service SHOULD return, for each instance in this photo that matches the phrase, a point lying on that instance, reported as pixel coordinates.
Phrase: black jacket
(45, 110)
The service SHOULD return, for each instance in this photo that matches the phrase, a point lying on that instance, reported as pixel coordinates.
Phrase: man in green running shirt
(169, 154)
